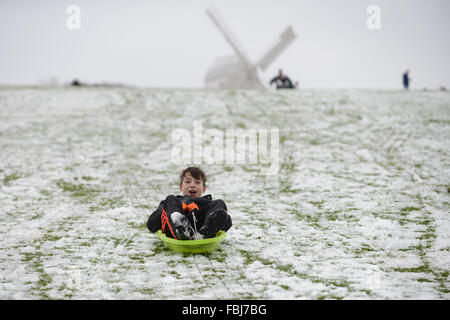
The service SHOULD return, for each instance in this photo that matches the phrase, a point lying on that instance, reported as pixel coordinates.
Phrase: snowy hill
(358, 209)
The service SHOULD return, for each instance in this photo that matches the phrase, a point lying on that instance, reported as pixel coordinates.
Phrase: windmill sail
(285, 39)
(230, 37)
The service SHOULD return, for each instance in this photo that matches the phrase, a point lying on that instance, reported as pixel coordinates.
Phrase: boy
(190, 216)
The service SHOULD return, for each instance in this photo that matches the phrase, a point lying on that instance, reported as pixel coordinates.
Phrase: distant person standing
(76, 83)
(406, 80)
(282, 81)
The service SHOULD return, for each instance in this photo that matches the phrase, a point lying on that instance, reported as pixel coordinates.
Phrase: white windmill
(237, 71)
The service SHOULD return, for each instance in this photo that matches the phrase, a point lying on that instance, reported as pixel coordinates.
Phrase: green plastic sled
(192, 246)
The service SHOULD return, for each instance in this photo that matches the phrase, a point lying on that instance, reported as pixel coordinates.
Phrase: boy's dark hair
(195, 172)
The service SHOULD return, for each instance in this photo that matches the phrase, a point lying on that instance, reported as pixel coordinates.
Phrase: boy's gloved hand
(191, 207)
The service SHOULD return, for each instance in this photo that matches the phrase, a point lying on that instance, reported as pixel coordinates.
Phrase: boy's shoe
(182, 228)
(214, 222)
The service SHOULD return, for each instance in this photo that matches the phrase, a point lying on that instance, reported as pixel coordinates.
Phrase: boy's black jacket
(174, 203)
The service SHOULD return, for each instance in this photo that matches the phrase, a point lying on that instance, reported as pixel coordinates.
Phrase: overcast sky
(171, 43)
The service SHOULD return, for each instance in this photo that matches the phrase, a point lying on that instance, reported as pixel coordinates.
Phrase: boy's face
(191, 186)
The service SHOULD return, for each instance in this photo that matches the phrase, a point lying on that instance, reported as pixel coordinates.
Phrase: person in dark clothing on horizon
(406, 80)
(282, 81)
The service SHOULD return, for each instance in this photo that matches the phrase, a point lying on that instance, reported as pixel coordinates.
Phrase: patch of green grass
(49, 237)
(138, 226)
(137, 257)
(332, 297)
(444, 289)
(364, 248)
(289, 165)
(404, 221)
(424, 280)
(249, 296)
(37, 216)
(220, 259)
(285, 268)
(316, 225)
(145, 206)
(332, 215)
(444, 274)
(342, 101)
(248, 256)
(147, 291)
(44, 280)
(160, 247)
(240, 125)
(34, 259)
(287, 189)
(418, 247)
(250, 169)
(421, 269)
(45, 193)
(331, 112)
(338, 283)
(77, 190)
(318, 204)
(10, 178)
(409, 209)
(283, 139)
(175, 274)
(107, 203)
(122, 241)
(29, 256)
(314, 142)
(427, 236)
(425, 222)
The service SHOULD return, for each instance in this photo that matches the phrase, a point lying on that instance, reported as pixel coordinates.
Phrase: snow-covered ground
(358, 210)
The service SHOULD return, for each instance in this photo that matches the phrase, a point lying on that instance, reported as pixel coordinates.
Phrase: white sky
(171, 43)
